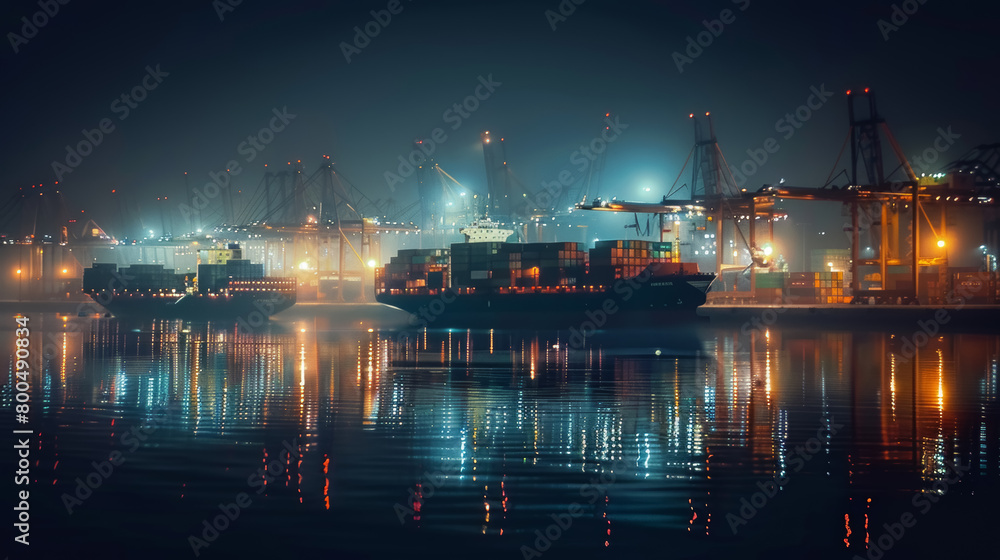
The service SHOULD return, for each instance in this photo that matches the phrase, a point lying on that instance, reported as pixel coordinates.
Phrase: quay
(930, 319)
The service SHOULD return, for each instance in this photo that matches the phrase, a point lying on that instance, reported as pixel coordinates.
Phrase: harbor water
(354, 439)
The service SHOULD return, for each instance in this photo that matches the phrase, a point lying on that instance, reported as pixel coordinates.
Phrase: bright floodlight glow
(768, 250)
(371, 263)
(941, 243)
(304, 265)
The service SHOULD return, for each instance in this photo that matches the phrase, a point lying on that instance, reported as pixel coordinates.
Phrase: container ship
(226, 287)
(524, 283)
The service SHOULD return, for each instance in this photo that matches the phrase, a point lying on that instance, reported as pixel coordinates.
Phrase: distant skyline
(143, 92)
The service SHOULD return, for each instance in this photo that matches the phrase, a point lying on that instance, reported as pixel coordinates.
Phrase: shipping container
(770, 280)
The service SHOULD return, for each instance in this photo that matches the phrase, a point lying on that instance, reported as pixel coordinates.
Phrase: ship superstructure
(485, 230)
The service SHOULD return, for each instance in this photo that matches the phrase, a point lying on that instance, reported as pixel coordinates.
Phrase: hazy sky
(216, 80)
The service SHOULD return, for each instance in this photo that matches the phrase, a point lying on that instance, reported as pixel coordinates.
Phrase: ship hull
(674, 296)
(247, 307)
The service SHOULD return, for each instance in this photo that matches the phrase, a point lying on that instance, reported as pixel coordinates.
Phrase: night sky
(222, 78)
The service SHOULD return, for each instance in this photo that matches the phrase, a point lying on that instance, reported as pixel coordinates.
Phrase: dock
(929, 319)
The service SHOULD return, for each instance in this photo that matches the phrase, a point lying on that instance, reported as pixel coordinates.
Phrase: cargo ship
(226, 287)
(489, 283)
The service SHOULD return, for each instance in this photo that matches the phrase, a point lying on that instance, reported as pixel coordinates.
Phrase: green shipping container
(770, 280)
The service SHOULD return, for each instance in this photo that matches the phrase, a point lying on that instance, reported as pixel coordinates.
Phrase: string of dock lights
(776, 217)
(414, 227)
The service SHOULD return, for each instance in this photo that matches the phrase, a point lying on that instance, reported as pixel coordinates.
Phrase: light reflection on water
(461, 443)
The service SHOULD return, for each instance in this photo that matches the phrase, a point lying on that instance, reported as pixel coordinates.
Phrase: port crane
(896, 211)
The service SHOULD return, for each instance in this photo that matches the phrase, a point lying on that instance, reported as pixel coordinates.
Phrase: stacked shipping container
(771, 287)
(611, 260)
(550, 264)
(214, 278)
(505, 265)
(800, 287)
(816, 287)
(415, 270)
(523, 266)
(136, 278)
(972, 287)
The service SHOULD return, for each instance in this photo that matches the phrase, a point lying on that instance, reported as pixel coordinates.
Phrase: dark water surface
(660, 443)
